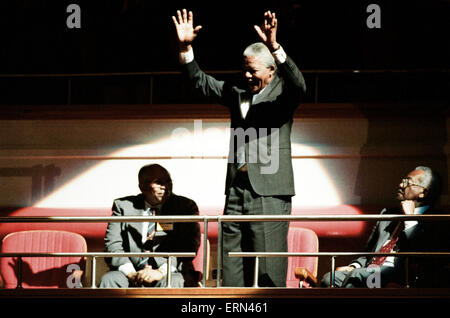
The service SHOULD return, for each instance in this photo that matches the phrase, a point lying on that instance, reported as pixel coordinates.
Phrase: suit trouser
(117, 279)
(361, 278)
(254, 237)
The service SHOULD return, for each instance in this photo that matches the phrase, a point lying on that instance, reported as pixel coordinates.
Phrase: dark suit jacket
(273, 108)
(422, 237)
(127, 236)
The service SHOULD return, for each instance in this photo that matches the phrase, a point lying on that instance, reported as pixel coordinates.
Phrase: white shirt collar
(260, 92)
(421, 209)
(418, 210)
(257, 94)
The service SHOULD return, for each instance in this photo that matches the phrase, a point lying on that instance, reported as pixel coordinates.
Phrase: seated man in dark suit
(156, 198)
(417, 194)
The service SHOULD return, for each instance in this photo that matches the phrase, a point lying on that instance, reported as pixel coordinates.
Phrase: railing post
(205, 250)
(332, 273)
(256, 273)
(94, 271)
(169, 272)
(219, 251)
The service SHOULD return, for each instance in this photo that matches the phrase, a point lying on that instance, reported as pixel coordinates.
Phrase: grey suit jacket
(127, 236)
(270, 118)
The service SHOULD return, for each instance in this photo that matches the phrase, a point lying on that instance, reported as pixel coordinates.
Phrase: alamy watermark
(374, 280)
(73, 21)
(74, 279)
(373, 21)
(249, 145)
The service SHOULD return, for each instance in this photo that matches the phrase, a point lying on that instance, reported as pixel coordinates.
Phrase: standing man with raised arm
(259, 176)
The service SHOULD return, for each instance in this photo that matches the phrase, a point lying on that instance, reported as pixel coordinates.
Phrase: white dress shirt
(128, 267)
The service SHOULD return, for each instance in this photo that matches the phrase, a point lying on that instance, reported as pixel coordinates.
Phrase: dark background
(138, 36)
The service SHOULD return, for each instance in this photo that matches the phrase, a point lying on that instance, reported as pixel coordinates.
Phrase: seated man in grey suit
(417, 194)
(156, 198)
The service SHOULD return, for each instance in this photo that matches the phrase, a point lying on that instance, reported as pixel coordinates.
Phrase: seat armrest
(305, 276)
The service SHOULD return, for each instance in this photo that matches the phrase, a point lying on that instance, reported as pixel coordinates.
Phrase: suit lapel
(385, 234)
(264, 96)
(405, 236)
(386, 229)
(138, 209)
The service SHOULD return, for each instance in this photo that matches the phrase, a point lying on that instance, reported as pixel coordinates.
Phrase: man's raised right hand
(184, 24)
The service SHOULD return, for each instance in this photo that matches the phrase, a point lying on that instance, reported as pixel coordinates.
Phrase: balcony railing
(220, 219)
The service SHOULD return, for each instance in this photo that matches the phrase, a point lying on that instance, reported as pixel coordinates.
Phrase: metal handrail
(332, 217)
(97, 254)
(333, 255)
(202, 157)
(97, 219)
(265, 218)
(304, 254)
(222, 218)
(94, 256)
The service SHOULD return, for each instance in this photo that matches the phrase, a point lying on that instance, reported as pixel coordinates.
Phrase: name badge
(164, 227)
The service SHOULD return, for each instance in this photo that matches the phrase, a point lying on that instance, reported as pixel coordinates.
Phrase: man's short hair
(432, 182)
(155, 173)
(261, 51)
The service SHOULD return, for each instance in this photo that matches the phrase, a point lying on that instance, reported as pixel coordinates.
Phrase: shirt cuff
(186, 57)
(355, 265)
(279, 55)
(127, 268)
(163, 269)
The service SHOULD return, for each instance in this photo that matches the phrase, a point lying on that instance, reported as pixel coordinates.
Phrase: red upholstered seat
(43, 272)
(198, 260)
(301, 240)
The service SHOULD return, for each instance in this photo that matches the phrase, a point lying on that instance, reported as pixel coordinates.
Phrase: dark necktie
(388, 247)
(151, 226)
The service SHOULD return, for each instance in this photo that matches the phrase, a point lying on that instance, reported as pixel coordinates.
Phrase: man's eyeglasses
(406, 182)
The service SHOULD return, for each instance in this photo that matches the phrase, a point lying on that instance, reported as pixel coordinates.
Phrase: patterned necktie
(388, 247)
(151, 226)
(150, 233)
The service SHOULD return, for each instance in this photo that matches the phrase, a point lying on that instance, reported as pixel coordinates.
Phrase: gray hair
(432, 182)
(261, 51)
(427, 179)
